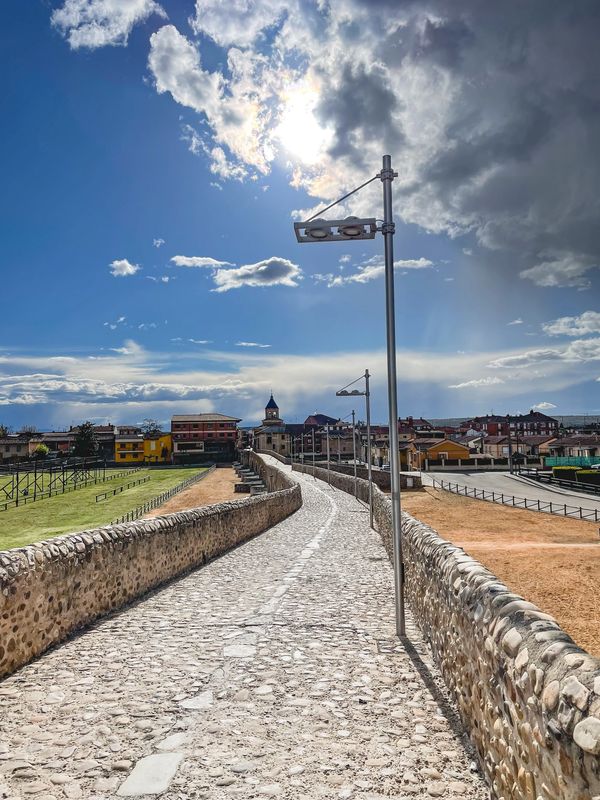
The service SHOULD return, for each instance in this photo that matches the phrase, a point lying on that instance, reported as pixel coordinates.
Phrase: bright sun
(299, 132)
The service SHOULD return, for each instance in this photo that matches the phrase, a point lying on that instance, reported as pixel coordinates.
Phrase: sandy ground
(552, 561)
(215, 488)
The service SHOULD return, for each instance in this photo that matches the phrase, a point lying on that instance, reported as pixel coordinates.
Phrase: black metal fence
(574, 486)
(119, 489)
(548, 507)
(157, 501)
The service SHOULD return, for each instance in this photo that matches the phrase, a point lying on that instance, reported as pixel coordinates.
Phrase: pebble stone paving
(271, 672)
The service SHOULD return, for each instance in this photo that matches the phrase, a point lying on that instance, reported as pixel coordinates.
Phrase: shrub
(589, 476)
(565, 473)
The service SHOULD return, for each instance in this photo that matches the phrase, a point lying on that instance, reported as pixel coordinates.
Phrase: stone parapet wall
(381, 478)
(527, 694)
(52, 588)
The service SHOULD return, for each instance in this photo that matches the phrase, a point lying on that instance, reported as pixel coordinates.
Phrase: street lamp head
(335, 230)
(352, 228)
(318, 230)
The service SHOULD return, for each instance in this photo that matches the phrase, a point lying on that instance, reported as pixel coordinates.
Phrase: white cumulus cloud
(97, 23)
(544, 406)
(122, 268)
(269, 272)
(561, 272)
(587, 322)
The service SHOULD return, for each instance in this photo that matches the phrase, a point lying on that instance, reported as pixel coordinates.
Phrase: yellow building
(425, 450)
(158, 448)
(129, 448)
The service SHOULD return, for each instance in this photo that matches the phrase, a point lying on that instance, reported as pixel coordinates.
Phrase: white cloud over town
(124, 382)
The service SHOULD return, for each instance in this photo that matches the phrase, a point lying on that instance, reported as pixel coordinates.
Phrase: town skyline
(165, 148)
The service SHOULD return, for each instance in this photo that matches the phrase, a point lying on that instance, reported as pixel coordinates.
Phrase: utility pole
(388, 228)
(354, 452)
(369, 458)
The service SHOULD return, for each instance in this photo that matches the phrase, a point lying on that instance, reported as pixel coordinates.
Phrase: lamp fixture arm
(358, 188)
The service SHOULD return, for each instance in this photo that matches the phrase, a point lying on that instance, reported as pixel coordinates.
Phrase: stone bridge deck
(271, 672)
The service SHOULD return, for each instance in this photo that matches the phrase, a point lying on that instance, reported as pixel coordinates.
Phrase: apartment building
(203, 437)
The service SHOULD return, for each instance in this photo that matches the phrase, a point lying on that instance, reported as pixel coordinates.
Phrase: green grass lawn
(78, 510)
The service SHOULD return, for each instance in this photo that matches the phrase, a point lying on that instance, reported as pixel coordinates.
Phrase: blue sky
(156, 155)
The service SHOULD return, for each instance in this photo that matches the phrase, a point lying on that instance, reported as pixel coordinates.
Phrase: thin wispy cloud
(370, 270)
(518, 321)
(158, 243)
(477, 383)
(114, 325)
(199, 261)
(251, 344)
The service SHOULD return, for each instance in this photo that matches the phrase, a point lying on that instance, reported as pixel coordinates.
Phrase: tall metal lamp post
(344, 230)
(367, 395)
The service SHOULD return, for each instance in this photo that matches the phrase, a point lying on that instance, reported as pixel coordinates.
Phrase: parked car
(385, 467)
(595, 466)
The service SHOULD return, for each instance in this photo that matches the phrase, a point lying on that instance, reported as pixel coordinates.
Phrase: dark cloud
(358, 104)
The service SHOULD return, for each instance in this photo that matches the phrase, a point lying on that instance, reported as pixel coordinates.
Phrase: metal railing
(574, 486)
(547, 507)
(157, 501)
(119, 489)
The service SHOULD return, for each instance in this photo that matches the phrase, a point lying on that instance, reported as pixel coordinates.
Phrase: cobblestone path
(271, 672)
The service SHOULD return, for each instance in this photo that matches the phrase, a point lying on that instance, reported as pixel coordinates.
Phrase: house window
(153, 445)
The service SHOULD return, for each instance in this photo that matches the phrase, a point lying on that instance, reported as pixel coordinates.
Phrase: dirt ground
(215, 488)
(552, 561)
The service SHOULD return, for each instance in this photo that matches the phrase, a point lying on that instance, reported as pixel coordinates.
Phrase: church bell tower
(272, 413)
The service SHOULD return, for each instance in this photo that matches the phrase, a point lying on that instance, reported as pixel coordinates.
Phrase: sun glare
(299, 131)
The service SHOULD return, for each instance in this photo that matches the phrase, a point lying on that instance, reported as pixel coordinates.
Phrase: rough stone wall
(527, 694)
(49, 589)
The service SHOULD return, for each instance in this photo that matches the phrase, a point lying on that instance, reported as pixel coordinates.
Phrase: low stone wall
(50, 589)
(527, 694)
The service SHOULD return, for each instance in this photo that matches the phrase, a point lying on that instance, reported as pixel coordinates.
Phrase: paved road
(503, 482)
(271, 672)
